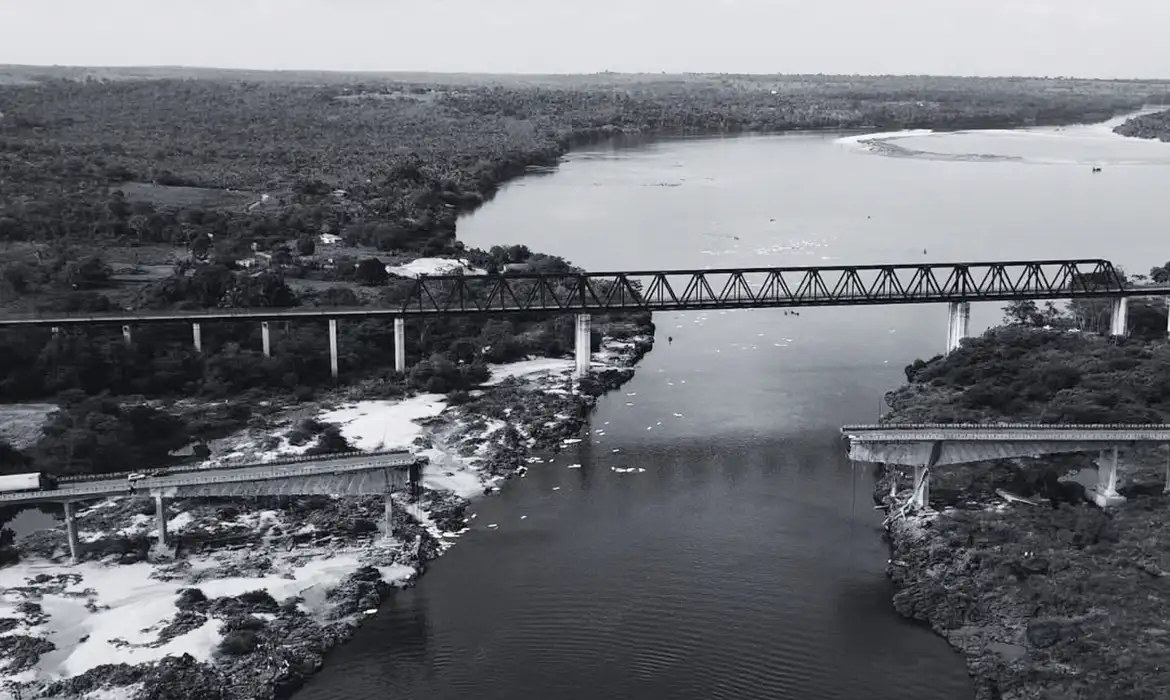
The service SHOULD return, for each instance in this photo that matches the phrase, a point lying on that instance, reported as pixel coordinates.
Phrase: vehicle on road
(32, 481)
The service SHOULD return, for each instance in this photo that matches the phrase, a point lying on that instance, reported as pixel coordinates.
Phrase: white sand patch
(449, 472)
(133, 608)
(533, 369)
(396, 573)
(433, 266)
(114, 693)
(384, 425)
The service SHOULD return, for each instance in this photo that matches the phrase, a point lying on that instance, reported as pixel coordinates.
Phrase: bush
(238, 643)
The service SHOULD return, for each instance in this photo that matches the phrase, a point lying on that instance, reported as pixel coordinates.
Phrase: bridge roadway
(685, 290)
(928, 445)
(320, 475)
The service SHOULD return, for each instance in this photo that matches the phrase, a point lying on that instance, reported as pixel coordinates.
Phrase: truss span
(681, 290)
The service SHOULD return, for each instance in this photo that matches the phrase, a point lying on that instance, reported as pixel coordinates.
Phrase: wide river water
(745, 561)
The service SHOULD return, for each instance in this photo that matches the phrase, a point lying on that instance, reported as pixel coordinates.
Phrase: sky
(1085, 38)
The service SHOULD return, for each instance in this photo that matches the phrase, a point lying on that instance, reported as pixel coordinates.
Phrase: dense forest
(151, 188)
(1041, 367)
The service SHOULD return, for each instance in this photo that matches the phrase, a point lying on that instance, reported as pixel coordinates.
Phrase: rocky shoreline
(1061, 600)
(268, 646)
(1155, 125)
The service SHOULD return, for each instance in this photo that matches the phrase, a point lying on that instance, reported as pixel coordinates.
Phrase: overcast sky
(1090, 38)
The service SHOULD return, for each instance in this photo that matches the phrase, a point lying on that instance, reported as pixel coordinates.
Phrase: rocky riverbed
(1045, 601)
(259, 590)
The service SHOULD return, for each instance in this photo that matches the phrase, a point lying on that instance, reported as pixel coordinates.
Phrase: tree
(306, 246)
(371, 272)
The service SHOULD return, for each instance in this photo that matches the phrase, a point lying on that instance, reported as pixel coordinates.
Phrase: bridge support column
(1105, 492)
(71, 533)
(399, 345)
(921, 497)
(1118, 319)
(266, 338)
(333, 347)
(197, 336)
(583, 346)
(388, 517)
(160, 514)
(958, 324)
(126, 334)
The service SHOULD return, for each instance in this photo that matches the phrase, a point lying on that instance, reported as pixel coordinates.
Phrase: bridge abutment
(197, 336)
(333, 347)
(958, 324)
(71, 533)
(266, 338)
(1105, 492)
(583, 346)
(1118, 319)
(399, 344)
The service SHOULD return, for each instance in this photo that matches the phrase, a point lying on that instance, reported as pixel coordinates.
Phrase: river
(745, 561)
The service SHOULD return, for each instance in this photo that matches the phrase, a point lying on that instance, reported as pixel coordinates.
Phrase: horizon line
(391, 72)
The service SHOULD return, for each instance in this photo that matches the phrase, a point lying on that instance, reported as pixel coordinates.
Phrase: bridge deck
(1008, 432)
(227, 480)
(684, 290)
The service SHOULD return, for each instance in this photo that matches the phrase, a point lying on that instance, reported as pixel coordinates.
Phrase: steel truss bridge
(685, 290)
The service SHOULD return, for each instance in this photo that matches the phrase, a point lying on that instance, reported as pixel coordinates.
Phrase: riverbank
(261, 589)
(1155, 125)
(1042, 601)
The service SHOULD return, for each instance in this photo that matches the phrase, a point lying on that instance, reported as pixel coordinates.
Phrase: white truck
(32, 481)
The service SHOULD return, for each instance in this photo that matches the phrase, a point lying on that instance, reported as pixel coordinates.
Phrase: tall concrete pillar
(958, 324)
(1105, 492)
(921, 488)
(333, 347)
(266, 338)
(582, 346)
(1118, 321)
(399, 345)
(388, 517)
(1168, 317)
(197, 336)
(160, 514)
(126, 334)
(71, 533)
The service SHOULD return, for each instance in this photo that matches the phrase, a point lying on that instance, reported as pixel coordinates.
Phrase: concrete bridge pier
(333, 347)
(160, 515)
(583, 346)
(266, 338)
(399, 345)
(958, 324)
(921, 497)
(1105, 492)
(1118, 319)
(197, 336)
(388, 517)
(71, 533)
(126, 334)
